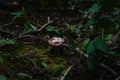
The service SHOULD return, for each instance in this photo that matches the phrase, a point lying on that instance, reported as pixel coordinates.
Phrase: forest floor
(32, 57)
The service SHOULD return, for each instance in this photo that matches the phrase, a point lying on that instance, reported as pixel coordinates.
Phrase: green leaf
(49, 28)
(100, 45)
(52, 29)
(57, 31)
(67, 25)
(24, 12)
(28, 27)
(90, 48)
(117, 26)
(71, 27)
(71, 7)
(95, 7)
(97, 44)
(33, 27)
(17, 14)
(83, 45)
(44, 65)
(108, 37)
(90, 22)
(77, 30)
(2, 41)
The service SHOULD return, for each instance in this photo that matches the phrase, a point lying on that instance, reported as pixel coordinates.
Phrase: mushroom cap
(56, 41)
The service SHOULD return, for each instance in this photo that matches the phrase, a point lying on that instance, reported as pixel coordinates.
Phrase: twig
(49, 22)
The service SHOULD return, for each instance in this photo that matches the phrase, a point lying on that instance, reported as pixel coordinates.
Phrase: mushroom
(56, 43)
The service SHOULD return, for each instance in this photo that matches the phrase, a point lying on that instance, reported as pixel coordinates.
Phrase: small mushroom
(56, 41)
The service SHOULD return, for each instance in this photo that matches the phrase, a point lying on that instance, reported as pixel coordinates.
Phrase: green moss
(42, 55)
(30, 49)
(20, 63)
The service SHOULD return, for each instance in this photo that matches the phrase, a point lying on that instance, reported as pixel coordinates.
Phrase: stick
(49, 22)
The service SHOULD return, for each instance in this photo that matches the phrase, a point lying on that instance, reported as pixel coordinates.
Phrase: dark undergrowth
(60, 40)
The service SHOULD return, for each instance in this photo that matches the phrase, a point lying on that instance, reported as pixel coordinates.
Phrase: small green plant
(84, 44)
(20, 13)
(74, 29)
(90, 22)
(95, 8)
(28, 27)
(108, 37)
(96, 48)
(3, 41)
(97, 44)
(44, 65)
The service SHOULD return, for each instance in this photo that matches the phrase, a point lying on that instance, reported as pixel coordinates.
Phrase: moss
(42, 55)
(19, 63)
(29, 48)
